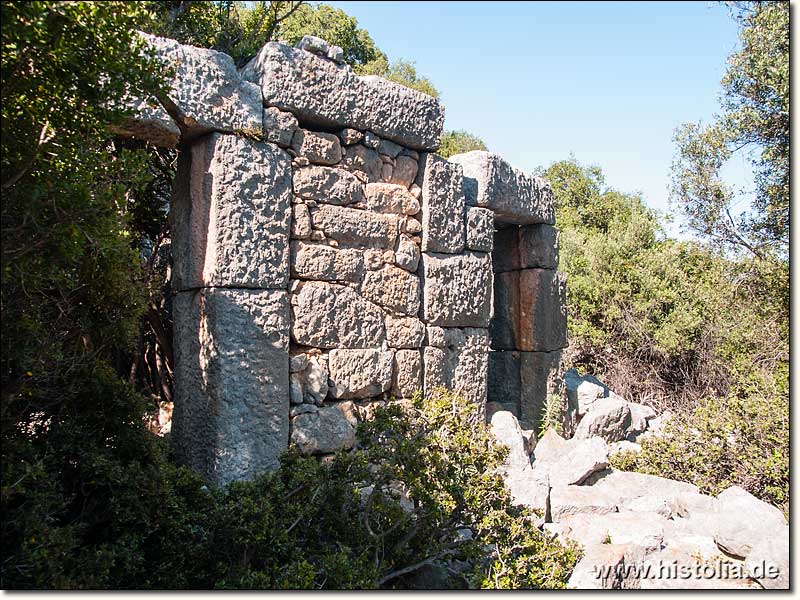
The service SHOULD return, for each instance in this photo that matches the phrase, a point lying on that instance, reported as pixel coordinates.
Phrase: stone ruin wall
(326, 260)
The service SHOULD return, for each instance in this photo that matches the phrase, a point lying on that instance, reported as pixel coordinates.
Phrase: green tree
(459, 141)
(400, 71)
(754, 120)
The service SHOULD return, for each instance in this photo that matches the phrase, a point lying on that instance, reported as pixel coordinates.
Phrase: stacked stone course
(332, 261)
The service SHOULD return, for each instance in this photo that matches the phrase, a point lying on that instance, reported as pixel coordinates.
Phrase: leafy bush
(459, 141)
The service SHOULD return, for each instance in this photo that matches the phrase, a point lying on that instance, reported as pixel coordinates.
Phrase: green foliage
(755, 120)
(422, 488)
(459, 141)
(400, 71)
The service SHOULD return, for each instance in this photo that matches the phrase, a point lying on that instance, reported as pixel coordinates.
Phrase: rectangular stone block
(504, 379)
(505, 319)
(471, 371)
(542, 384)
(230, 215)
(437, 369)
(328, 185)
(231, 419)
(443, 228)
(490, 182)
(457, 289)
(394, 289)
(328, 315)
(538, 247)
(359, 373)
(404, 332)
(480, 229)
(505, 256)
(407, 373)
(323, 263)
(542, 312)
(355, 227)
(326, 94)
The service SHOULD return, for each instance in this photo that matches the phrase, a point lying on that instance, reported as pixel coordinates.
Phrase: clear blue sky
(605, 81)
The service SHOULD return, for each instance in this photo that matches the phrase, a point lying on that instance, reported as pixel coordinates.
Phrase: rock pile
(638, 531)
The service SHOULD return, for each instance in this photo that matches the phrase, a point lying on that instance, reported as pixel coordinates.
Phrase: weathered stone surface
(371, 140)
(607, 567)
(640, 416)
(584, 391)
(327, 315)
(323, 93)
(480, 229)
(504, 379)
(435, 336)
(550, 448)
(457, 289)
(530, 488)
(319, 148)
(206, 93)
(150, 123)
(364, 162)
(490, 182)
(230, 215)
(407, 373)
(542, 311)
(581, 459)
(405, 171)
(541, 382)
(538, 247)
(231, 419)
(646, 530)
(355, 227)
(301, 222)
(392, 288)
(390, 198)
(471, 369)
(328, 429)
(389, 148)
(279, 126)
(404, 332)
(743, 521)
(506, 249)
(327, 185)
(505, 318)
(567, 500)
(359, 373)
(675, 568)
(350, 136)
(407, 254)
(315, 261)
(608, 418)
(442, 205)
(506, 431)
(628, 484)
(437, 368)
(315, 45)
(768, 561)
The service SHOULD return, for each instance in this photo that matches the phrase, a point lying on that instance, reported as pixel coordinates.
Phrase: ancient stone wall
(325, 259)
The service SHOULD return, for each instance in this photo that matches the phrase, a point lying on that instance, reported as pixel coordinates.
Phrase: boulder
(550, 448)
(490, 182)
(333, 96)
(743, 521)
(567, 500)
(407, 254)
(405, 171)
(643, 529)
(580, 459)
(363, 162)
(506, 431)
(608, 418)
(768, 560)
(627, 484)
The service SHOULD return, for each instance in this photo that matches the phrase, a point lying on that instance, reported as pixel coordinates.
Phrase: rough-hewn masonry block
(443, 228)
(323, 93)
(457, 289)
(230, 214)
(542, 313)
(231, 417)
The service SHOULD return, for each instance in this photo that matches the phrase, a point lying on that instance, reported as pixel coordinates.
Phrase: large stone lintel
(323, 93)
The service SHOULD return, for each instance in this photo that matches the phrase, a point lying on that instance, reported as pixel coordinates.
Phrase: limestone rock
(390, 198)
(457, 289)
(326, 315)
(405, 171)
(435, 336)
(581, 459)
(542, 311)
(607, 567)
(206, 93)
(394, 289)
(490, 182)
(313, 44)
(359, 373)
(541, 388)
(628, 484)
(328, 429)
(768, 560)
(507, 432)
(471, 368)
(442, 205)
(389, 148)
(505, 319)
(355, 227)
(407, 373)
(315, 261)
(363, 162)
(231, 419)
(350, 136)
(538, 247)
(326, 94)
(480, 229)
(530, 488)
(608, 418)
(404, 332)
(327, 185)
(407, 254)
(743, 521)
(645, 530)
(567, 500)
(230, 215)
(504, 380)
(550, 448)
(279, 126)
(318, 148)
(150, 123)
(640, 416)
(301, 222)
